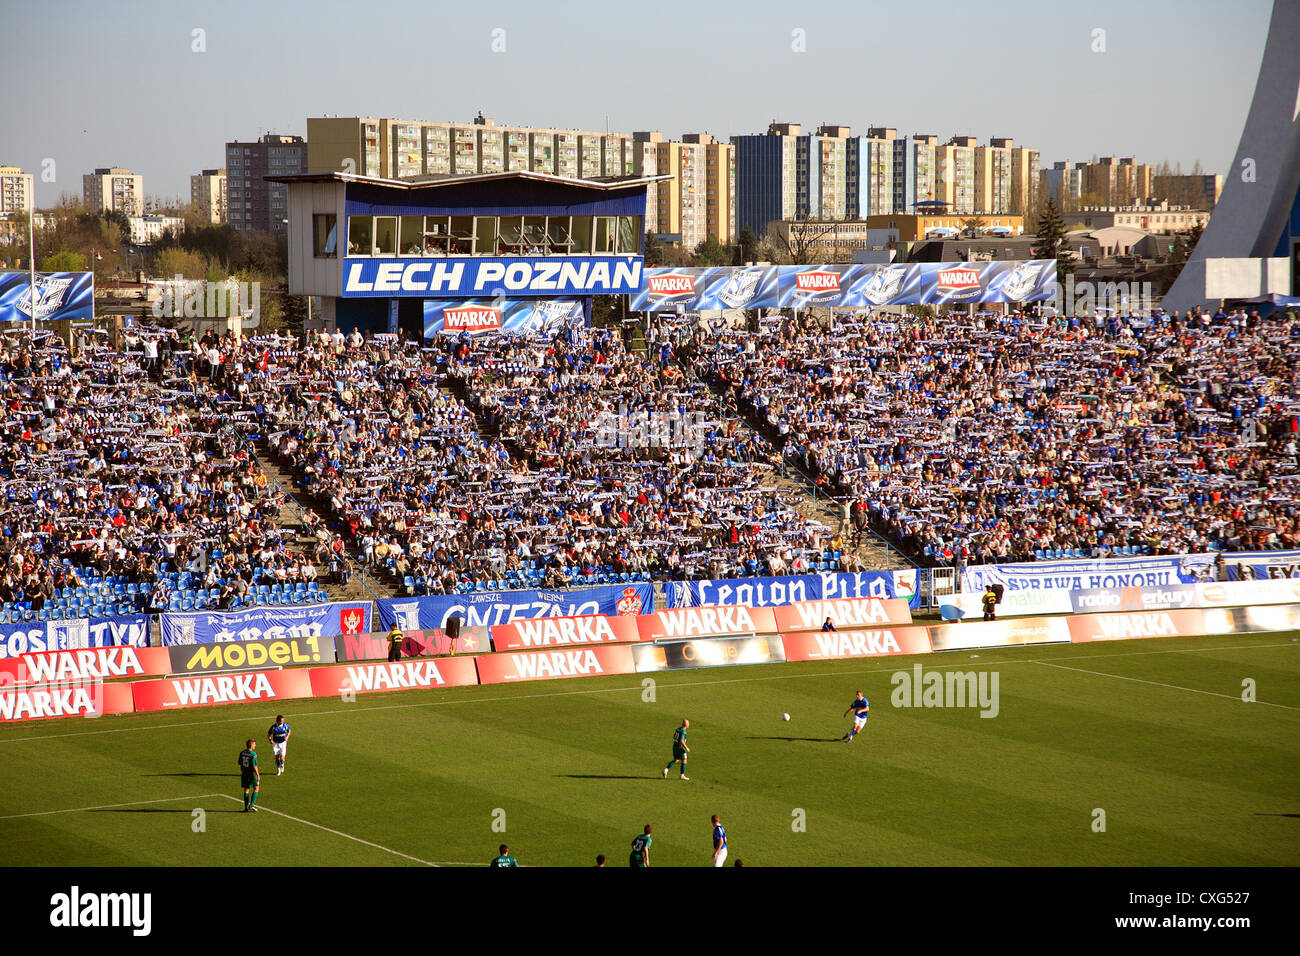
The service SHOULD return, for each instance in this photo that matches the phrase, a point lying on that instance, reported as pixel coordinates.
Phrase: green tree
(1051, 239)
(748, 246)
(63, 261)
(654, 250)
(710, 252)
(171, 262)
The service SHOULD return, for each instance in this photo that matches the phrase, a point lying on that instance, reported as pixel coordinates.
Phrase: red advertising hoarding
(563, 631)
(87, 664)
(430, 643)
(216, 689)
(397, 675)
(723, 620)
(843, 613)
(1123, 627)
(829, 645)
(92, 698)
(512, 666)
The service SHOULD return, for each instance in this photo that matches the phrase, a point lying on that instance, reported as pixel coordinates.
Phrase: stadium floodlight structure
(1258, 215)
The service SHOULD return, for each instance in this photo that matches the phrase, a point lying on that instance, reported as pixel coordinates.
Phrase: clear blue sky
(116, 83)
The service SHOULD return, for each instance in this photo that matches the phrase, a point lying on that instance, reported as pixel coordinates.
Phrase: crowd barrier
(99, 681)
(1128, 598)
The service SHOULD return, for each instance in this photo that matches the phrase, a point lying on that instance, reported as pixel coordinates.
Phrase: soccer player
(719, 842)
(860, 707)
(278, 734)
(505, 859)
(680, 750)
(250, 778)
(640, 855)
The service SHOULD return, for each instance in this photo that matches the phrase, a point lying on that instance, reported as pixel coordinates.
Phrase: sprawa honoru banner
(267, 623)
(788, 589)
(1088, 574)
(501, 607)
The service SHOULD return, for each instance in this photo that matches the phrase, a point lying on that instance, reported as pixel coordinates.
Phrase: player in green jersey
(505, 859)
(250, 778)
(680, 750)
(640, 855)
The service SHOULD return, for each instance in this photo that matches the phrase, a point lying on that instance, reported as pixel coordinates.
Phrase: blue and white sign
(473, 277)
(59, 295)
(501, 607)
(1258, 565)
(267, 623)
(78, 634)
(1090, 574)
(779, 591)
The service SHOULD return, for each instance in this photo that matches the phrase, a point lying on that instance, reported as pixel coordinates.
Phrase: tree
(971, 227)
(748, 246)
(654, 250)
(179, 262)
(798, 241)
(1051, 239)
(64, 261)
(710, 252)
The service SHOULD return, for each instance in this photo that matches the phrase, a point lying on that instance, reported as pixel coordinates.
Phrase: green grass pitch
(1153, 733)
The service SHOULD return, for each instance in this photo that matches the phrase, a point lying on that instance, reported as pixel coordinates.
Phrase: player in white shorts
(861, 708)
(719, 842)
(279, 737)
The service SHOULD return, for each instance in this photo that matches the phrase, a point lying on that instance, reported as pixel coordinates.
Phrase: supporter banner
(829, 645)
(236, 655)
(1013, 603)
(65, 635)
(1254, 565)
(741, 287)
(546, 631)
(432, 643)
(845, 286)
(480, 277)
(397, 675)
(688, 622)
(787, 589)
(1122, 627)
(710, 652)
(59, 295)
(495, 315)
(906, 587)
(513, 666)
(501, 607)
(220, 689)
(270, 623)
(99, 663)
(79, 699)
(1087, 574)
(1240, 593)
(848, 612)
(1030, 630)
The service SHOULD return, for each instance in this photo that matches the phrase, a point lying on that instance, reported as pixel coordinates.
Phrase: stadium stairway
(363, 586)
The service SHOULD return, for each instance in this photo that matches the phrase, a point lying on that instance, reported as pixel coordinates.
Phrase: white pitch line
(111, 806)
(637, 687)
(349, 836)
(1156, 683)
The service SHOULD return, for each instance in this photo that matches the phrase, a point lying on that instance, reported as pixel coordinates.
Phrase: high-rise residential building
(1115, 182)
(699, 201)
(113, 189)
(252, 203)
(17, 190)
(208, 193)
(644, 150)
(877, 173)
(1063, 184)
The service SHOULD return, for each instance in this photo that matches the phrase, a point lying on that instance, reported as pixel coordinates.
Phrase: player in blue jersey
(860, 708)
(279, 737)
(719, 842)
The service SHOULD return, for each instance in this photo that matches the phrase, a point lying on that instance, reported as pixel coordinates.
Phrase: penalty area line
(112, 806)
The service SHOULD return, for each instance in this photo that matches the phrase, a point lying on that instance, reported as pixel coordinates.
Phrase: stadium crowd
(1014, 438)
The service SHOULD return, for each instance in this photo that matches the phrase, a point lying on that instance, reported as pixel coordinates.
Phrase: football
(785, 716)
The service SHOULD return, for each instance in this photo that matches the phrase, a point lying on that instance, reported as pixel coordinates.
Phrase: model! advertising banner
(70, 635)
(1029, 630)
(1255, 565)
(267, 623)
(688, 622)
(513, 666)
(845, 286)
(59, 295)
(849, 612)
(496, 315)
(1088, 574)
(82, 699)
(501, 607)
(550, 631)
(395, 675)
(220, 689)
(478, 278)
(237, 655)
(787, 589)
(99, 663)
(710, 652)
(831, 645)
(433, 643)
